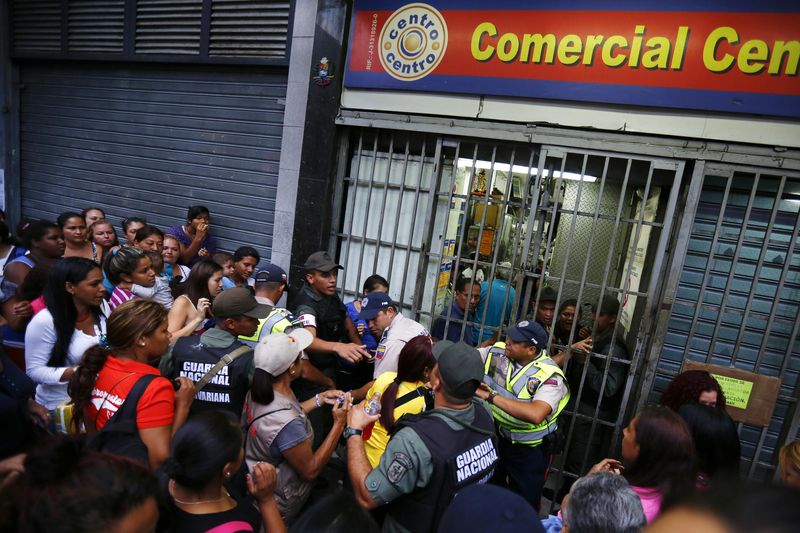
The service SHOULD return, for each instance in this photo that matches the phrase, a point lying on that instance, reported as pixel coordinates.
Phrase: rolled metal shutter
(151, 140)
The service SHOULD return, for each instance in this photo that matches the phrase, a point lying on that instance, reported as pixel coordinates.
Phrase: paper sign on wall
(737, 391)
(749, 397)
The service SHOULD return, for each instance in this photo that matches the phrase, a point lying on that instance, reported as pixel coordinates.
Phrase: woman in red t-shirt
(137, 333)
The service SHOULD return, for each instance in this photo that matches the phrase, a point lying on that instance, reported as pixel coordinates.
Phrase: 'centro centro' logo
(413, 42)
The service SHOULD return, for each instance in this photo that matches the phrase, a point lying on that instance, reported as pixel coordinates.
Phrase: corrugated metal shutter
(248, 28)
(213, 31)
(738, 297)
(37, 26)
(95, 25)
(151, 141)
(168, 27)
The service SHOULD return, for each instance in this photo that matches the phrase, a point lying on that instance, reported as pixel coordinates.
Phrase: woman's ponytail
(387, 404)
(83, 380)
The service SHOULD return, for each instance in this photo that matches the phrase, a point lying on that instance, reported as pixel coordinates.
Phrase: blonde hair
(789, 457)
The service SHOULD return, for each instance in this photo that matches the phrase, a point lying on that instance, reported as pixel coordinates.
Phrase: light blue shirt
(497, 306)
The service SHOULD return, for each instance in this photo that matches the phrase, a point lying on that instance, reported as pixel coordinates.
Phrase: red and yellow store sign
(728, 56)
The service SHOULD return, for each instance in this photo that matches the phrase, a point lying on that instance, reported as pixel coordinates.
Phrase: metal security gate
(151, 140)
(733, 294)
(423, 210)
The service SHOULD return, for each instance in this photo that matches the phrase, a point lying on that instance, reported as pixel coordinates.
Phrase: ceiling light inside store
(519, 169)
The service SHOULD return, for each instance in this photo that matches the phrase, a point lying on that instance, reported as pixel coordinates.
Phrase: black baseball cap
(458, 363)
(239, 301)
(608, 304)
(548, 294)
(321, 261)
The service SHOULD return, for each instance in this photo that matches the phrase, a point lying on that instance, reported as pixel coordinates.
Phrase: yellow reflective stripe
(257, 334)
(274, 322)
(511, 427)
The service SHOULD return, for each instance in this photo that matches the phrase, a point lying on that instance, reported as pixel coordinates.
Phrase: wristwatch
(490, 399)
(351, 432)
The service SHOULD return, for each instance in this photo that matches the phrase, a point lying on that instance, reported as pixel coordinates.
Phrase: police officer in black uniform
(336, 345)
(237, 313)
(452, 446)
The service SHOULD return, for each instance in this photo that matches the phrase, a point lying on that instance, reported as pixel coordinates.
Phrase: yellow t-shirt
(380, 438)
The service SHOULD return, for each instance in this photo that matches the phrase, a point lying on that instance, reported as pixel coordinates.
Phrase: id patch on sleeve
(401, 463)
(533, 385)
(380, 352)
(308, 320)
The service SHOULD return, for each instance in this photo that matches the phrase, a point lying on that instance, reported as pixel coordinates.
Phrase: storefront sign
(749, 397)
(732, 56)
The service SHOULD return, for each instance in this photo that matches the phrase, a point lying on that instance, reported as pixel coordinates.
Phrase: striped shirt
(119, 297)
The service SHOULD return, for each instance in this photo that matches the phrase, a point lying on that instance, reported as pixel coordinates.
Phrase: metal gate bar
(417, 189)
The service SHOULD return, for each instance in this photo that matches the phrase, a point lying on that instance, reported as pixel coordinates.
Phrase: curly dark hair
(687, 387)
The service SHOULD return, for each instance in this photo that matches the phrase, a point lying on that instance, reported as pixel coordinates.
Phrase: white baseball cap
(276, 352)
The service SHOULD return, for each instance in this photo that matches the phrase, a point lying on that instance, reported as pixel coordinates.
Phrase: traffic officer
(270, 285)
(388, 324)
(431, 456)
(527, 392)
(237, 313)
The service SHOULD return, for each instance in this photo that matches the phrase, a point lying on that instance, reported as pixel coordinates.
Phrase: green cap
(238, 301)
(458, 363)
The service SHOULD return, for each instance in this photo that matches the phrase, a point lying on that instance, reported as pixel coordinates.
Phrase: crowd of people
(155, 383)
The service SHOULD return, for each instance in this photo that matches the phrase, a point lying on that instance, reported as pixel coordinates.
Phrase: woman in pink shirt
(658, 459)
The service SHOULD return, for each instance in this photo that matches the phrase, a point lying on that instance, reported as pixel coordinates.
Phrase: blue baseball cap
(373, 303)
(528, 331)
(272, 273)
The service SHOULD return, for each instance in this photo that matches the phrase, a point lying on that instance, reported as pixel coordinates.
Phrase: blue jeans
(522, 469)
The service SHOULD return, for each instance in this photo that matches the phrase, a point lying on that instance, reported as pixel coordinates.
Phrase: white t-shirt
(40, 336)
(399, 332)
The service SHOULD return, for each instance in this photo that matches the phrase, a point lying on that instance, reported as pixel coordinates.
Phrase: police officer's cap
(458, 363)
(272, 273)
(373, 303)
(528, 331)
(321, 261)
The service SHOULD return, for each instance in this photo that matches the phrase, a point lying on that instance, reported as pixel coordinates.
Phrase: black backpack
(120, 436)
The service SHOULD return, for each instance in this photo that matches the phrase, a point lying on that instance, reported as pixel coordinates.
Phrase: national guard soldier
(221, 366)
(432, 456)
(321, 311)
(527, 392)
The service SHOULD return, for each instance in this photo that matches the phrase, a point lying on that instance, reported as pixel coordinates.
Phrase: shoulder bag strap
(224, 361)
(253, 421)
(116, 422)
(409, 396)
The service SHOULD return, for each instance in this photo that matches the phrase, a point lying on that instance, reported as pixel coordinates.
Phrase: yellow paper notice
(737, 391)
